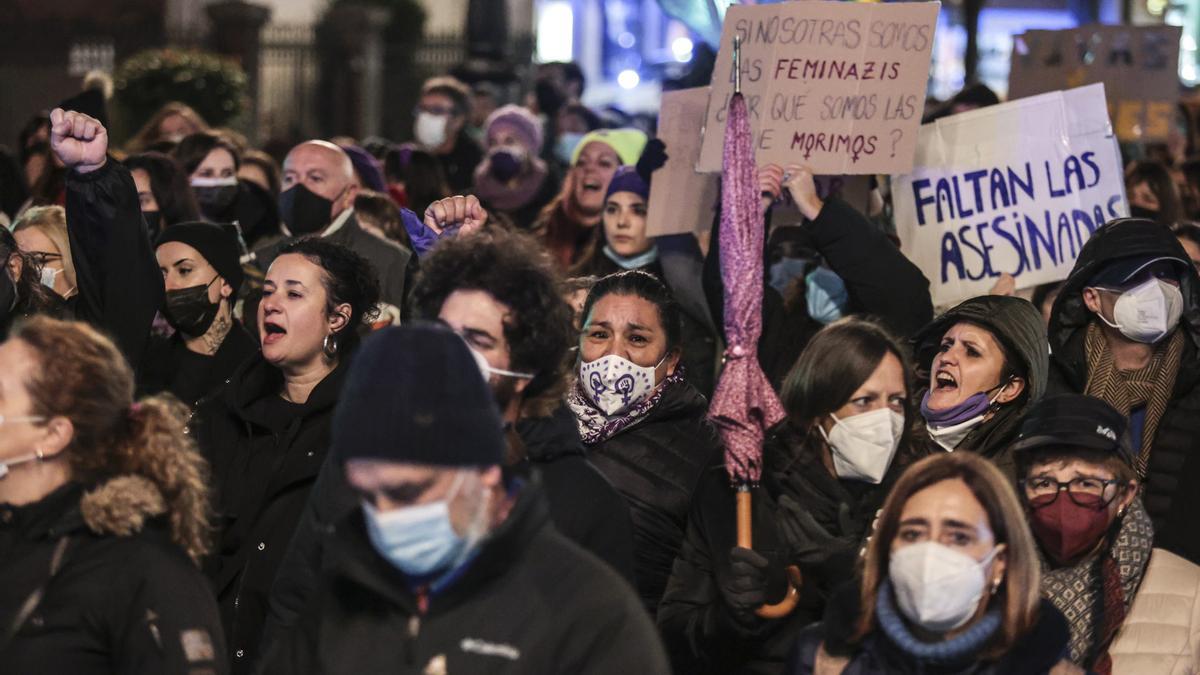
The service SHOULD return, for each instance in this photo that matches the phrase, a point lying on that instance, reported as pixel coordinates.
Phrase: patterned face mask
(614, 383)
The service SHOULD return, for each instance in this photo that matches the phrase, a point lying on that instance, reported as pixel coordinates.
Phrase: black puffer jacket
(656, 464)
(128, 604)
(1019, 326)
(1034, 654)
(696, 623)
(1169, 488)
(529, 602)
(193, 382)
(263, 468)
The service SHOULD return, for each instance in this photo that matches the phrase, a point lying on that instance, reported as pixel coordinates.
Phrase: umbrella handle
(744, 540)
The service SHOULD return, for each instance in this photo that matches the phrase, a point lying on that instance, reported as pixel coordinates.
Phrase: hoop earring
(330, 347)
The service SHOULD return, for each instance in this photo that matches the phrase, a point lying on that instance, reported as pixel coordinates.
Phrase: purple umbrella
(744, 405)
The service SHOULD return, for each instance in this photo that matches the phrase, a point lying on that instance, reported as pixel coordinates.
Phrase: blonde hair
(82, 376)
(52, 222)
(1018, 595)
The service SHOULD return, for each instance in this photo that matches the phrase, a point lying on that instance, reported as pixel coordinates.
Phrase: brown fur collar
(121, 505)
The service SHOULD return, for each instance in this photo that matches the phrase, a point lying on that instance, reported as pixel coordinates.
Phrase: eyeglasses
(433, 110)
(40, 258)
(1082, 488)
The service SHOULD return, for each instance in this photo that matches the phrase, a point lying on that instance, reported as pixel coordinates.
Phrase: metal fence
(287, 82)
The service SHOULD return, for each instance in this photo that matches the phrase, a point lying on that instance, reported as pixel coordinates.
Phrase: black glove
(808, 542)
(653, 157)
(745, 590)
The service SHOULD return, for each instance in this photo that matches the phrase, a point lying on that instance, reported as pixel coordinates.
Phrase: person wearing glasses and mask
(1080, 489)
(1126, 329)
(949, 585)
(441, 128)
(826, 471)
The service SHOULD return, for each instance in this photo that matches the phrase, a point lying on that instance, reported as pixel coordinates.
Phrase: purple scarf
(595, 427)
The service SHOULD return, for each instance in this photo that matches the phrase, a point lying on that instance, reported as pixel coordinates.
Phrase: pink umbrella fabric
(744, 405)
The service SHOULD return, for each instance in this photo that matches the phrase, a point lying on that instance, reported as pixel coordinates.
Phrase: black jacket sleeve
(120, 286)
(881, 281)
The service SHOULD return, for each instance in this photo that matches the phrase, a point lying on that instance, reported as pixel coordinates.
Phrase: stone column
(236, 32)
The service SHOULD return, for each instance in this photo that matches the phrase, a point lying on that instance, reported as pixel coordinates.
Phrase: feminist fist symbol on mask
(624, 387)
(596, 383)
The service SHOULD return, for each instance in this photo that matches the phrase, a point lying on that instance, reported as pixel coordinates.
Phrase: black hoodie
(1018, 326)
(1171, 493)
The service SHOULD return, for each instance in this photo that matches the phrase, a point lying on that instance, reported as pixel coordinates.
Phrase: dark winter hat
(520, 120)
(414, 394)
(217, 243)
(626, 179)
(1074, 421)
(367, 168)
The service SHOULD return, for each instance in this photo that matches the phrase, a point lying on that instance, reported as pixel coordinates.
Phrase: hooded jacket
(1170, 491)
(528, 602)
(263, 468)
(124, 598)
(1019, 327)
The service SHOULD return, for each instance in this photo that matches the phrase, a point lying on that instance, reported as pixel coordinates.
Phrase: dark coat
(120, 285)
(1020, 328)
(258, 508)
(697, 625)
(529, 602)
(584, 506)
(163, 358)
(387, 258)
(1034, 654)
(1169, 488)
(656, 464)
(459, 165)
(880, 281)
(130, 604)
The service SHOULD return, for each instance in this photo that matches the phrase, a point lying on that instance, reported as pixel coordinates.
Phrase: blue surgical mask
(564, 147)
(826, 296)
(418, 540)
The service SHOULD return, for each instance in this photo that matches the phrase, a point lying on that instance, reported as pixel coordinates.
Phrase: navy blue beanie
(415, 395)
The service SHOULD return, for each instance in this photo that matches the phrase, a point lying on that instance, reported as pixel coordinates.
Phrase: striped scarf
(1127, 390)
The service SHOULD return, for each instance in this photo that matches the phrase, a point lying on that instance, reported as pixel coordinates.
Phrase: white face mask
(49, 275)
(430, 129)
(487, 370)
(1147, 312)
(937, 587)
(614, 383)
(863, 445)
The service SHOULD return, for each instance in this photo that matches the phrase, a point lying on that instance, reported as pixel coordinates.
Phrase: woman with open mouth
(986, 361)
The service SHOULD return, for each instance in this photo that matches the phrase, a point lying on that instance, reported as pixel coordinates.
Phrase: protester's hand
(79, 141)
(653, 157)
(770, 184)
(803, 188)
(1005, 285)
(462, 213)
(745, 590)
(808, 542)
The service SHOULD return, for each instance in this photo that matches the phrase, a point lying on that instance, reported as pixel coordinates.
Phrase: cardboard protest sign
(681, 200)
(838, 86)
(1137, 65)
(1017, 188)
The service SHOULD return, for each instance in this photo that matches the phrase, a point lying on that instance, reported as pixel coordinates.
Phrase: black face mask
(303, 211)
(214, 201)
(153, 224)
(1143, 212)
(189, 311)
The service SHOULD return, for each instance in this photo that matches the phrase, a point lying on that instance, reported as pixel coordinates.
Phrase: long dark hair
(32, 296)
(647, 287)
(1156, 175)
(192, 150)
(169, 184)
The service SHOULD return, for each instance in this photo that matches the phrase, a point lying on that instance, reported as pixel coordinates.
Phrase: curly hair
(82, 376)
(515, 270)
(349, 279)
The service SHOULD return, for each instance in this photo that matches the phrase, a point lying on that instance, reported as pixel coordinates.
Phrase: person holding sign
(673, 259)
(826, 470)
(1126, 329)
(986, 363)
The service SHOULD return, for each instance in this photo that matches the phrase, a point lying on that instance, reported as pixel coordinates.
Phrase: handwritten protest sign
(837, 86)
(1015, 188)
(1136, 64)
(681, 200)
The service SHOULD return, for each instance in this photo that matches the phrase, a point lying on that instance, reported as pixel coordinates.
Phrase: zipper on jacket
(410, 641)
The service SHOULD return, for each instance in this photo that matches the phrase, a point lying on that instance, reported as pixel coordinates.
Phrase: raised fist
(801, 184)
(459, 214)
(80, 142)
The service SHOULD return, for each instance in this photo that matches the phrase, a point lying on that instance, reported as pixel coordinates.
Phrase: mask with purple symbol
(613, 383)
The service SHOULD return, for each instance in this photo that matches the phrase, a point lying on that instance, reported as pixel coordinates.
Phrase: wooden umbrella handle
(746, 540)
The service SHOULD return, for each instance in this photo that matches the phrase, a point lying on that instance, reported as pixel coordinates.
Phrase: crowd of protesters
(442, 406)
